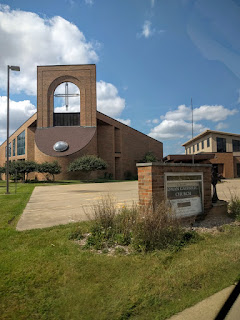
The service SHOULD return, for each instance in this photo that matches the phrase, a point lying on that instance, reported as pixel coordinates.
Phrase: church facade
(86, 132)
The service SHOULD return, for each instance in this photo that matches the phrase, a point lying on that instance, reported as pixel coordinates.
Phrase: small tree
(22, 168)
(50, 167)
(29, 166)
(17, 170)
(149, 157)
(2, 170)
(87, 163)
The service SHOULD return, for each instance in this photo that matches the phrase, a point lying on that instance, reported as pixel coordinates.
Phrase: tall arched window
(67, 105)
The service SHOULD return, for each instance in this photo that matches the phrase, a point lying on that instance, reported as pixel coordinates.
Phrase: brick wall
(49, 77)
(123, 146)
(151, 180)
(227, 160)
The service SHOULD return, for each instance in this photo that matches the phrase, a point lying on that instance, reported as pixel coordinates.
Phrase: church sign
(184, 191)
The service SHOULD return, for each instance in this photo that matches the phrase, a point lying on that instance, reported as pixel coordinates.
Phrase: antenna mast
(192, 130)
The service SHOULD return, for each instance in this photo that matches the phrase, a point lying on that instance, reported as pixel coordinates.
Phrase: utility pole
(192, 130)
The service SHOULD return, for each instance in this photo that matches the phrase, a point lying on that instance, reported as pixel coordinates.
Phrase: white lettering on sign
(185, 197)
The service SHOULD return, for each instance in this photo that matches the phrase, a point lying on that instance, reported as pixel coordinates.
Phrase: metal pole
(192, 130)
(7, 169)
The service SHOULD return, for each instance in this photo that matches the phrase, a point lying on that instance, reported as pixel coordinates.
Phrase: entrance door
(238, 169)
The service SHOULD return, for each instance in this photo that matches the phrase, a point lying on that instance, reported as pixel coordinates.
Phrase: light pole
(13, 68)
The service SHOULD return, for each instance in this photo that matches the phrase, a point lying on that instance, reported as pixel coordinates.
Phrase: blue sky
(151, 57)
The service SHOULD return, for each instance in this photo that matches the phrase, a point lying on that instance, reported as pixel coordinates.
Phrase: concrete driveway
(53, 205)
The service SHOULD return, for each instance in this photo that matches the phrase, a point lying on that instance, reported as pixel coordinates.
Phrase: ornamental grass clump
(144, 229)
(103, 227)
(156, 228)
(234, 207)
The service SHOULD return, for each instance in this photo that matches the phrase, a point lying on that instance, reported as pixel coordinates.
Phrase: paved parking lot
(54, 205)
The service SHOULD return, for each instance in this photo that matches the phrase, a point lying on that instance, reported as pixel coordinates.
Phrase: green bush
(2, 170)
(76, 234)
(234, 207)
(149, 157)
(51, 168)
(87, 163)
(20, 169)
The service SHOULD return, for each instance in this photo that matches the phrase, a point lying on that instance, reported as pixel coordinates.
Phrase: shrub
(76, 234)
(234, 207)
(156, 228)
(20, 169)
(2, 170)
(149, 157)
(50, 168)
(87, 163)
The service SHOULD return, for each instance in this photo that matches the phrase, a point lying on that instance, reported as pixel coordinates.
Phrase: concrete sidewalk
(62, 204)
(209, 308)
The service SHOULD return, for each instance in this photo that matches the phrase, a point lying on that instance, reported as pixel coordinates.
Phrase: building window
(197, 146)
(236, 145)
(13, 146)
(221, 144)
(21, 144)
(203, 144)
(193, 149)
(9, 150)
(208, 142)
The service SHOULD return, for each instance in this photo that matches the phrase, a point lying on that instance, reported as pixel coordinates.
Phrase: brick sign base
(151, 181)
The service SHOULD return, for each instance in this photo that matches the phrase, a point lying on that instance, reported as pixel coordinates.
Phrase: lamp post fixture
(13, 68)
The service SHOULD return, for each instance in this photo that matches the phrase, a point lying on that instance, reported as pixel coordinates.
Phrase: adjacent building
(64, 136)
(223, 145)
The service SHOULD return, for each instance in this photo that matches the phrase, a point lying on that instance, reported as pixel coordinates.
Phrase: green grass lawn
(46, 276)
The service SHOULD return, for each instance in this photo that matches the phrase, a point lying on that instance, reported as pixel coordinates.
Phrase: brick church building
(50, 136)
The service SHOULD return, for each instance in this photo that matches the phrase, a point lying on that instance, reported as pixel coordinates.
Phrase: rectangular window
(197, 146)
(221, 144)
(10, 149)
(21, 144)
(13, 146)
(203, 144)
(193, 149)
(236, 145)
(208, 142)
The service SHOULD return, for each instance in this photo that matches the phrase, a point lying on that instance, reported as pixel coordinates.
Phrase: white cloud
(125, 121)
(212, 113)
(221, 126)
(152, 3)
(30, 40)
(147, 30)
(177, 124)
(174, 129)
(19, 112)
(89, 2)
(108, 100)
(153, 121)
